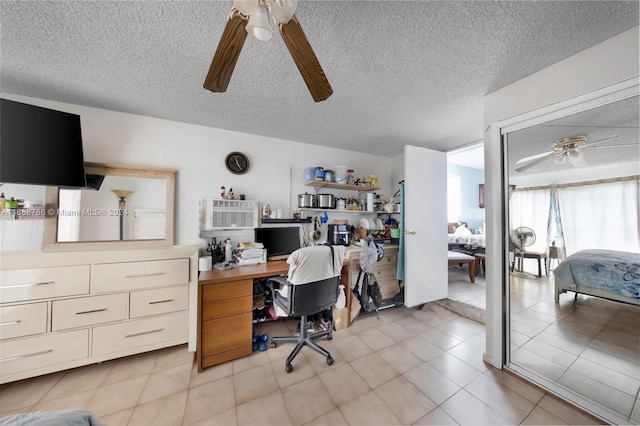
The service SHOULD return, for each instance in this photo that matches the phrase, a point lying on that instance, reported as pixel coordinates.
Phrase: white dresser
(64, 310)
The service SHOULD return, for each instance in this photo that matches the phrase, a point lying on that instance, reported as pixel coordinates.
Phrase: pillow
(462, 230)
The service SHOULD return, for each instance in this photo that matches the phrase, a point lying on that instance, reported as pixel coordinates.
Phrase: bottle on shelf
(342, 298)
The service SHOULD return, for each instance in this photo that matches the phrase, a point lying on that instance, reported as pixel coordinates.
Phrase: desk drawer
(225, 308)
(227, 290)
(226, 334)
(86, 311)
(158, 301)
(23, 320)
(41, 283)
(41, 351)
(138, 275)
(142, 332)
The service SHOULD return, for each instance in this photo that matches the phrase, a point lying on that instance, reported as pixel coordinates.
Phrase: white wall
(607, 63)
(197, 152)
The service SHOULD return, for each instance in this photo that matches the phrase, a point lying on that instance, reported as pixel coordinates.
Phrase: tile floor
(410, 366)
(591, 347)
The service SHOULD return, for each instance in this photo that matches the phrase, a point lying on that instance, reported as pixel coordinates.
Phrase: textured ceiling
(409, 72)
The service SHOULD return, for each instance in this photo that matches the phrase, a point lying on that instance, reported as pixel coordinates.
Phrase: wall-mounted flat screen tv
(40, 146)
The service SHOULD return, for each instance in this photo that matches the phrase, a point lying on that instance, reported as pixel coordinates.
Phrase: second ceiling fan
(258, 17)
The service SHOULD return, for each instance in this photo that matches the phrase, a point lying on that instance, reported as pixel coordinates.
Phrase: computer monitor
(280, 242)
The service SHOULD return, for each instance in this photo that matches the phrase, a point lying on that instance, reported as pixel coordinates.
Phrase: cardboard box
(341, 318)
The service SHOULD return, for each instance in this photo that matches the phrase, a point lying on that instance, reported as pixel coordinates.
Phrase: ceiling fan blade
(608, 146)
(226, 56)
(533, 157)
(305, 59)
(598, 141)
(535, 162)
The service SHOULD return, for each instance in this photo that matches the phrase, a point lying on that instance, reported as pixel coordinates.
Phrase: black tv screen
(40, 146)
(279, 241)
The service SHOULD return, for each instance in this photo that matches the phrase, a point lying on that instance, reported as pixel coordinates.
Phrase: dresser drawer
(158, 301)
(227, 290)
(141, 332)
(41, 283)
(41, 351)
(225, 308)
(138, 275)
(23, 320)
(86, 311)
(226, 334)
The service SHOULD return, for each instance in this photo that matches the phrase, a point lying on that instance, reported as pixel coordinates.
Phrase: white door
(425, 227)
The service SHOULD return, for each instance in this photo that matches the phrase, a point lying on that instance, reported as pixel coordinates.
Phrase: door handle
(410, 232)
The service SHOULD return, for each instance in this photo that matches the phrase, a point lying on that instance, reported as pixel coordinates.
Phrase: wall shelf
(331, 185)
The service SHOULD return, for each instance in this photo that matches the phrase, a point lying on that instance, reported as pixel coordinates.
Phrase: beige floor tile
(26, 393)
(116, 397)
(413, 325)
(598, 392)
(405, 400)
(166, 382)
(121, 418)
(635, 413)
(79, 380)
(368, 409)
(319, 362)
(436, 417)
(307, 400)
(267, 410)
(470, 351)
(226, 418)
(168, 411)
(539, 364)
(209, 374)
(462, 328)
(209, 399)
(374, 370)
(436, 386)
(453, 368)
(256, 359)
(397, 332)
(466, 409)
(302, 370)
(399, 358)
(440, 339)
(343, 383)
(333, 418)
(254, 383)
(517, 384)
(573, 344)
(77, 400)
(172, 357)
(540, 416)
(352, 348)
(376, 339)
(131, 367)
(620, 365)
(553, 354)
(616, 350)
(566, 412)
(607, 376)
(503, 400)
(421, 348)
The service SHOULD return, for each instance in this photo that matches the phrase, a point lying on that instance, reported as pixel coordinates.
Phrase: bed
(70, 417)
(609, 274)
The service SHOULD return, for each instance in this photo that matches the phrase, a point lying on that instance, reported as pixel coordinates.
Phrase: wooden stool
(480, 263)
(456, 258)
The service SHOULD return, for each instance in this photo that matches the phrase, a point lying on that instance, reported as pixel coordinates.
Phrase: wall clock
(237, 163)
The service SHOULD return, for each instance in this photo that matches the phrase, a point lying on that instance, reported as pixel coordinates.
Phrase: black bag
(375, 293)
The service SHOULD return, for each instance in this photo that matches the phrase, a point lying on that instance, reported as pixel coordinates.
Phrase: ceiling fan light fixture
(259, 25)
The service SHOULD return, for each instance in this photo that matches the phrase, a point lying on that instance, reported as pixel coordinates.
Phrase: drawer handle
(29, 284)
(11, 322)
(91, 311)
(161, 301)
(11, 358)
(144, 275)
(144, 332)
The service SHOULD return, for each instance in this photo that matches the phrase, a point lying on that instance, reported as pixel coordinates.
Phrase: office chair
(310, 287)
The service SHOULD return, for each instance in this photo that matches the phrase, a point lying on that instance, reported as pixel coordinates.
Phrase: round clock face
(237, 163)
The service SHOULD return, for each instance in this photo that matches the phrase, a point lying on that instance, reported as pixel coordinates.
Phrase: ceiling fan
(258, 18)
(565, 150)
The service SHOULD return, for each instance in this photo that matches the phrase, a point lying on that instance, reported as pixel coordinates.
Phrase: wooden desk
(225, 311)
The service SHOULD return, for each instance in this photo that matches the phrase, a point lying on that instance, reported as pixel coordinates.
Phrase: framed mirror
(124, 207)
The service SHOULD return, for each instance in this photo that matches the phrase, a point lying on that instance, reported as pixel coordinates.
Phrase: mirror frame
(50, 241)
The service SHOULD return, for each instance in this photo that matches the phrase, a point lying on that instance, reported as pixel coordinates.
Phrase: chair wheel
(329, 360)
(288, 367)
(329, 337)
(274, 344)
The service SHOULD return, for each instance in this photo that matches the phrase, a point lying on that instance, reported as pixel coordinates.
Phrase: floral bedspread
(616, 272)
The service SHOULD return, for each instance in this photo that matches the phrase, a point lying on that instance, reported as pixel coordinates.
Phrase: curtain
(603, 215)
(530, 208)
(554, 228)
